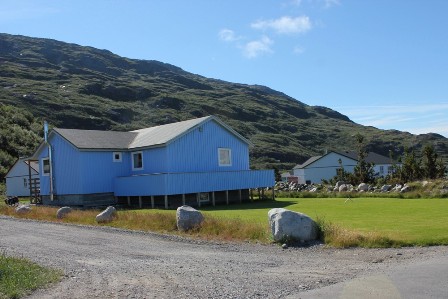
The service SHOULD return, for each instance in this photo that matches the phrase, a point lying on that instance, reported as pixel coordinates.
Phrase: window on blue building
(137, 161)
(225, 157)
(45, 166)
(117, 156)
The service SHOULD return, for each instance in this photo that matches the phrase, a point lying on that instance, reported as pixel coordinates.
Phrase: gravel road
(102, 262)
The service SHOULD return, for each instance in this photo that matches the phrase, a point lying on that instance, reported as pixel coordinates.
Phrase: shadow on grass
(258, 204)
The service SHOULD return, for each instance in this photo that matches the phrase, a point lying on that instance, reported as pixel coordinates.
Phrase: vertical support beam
(166, 202)
(251, 194)
(140, 205)
(30, 184)
(183, 199)
(262, 193)
(213, 198)
(227, 197)
(273, 193)
(240, 196)
(198, 198)
(259, 195)
(152, 201)
(129, 201)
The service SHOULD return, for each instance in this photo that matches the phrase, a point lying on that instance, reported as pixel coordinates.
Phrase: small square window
(225, 157)
(204, 197)
(117, 156)
(45, 166)
(137, 161)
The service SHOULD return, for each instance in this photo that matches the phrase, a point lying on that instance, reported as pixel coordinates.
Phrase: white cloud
(285, 25)
(258, 47)
(330, 3)
(413, 118)
(228, 35)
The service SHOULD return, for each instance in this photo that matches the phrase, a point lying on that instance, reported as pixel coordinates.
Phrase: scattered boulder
(23, 209)
(62, 212)
(386, 188)
(343, 188)
(107, 215)
(289, 225)
(188, 218)
(363, 187)
(405, 189)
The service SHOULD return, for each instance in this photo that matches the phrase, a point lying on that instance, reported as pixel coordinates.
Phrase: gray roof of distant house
(371, 157)
(307, 162)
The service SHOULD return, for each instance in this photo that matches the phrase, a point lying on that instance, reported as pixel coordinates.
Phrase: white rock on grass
(386, 188)
(22, 209)
(62, 212)
(107, 215)
(188, 218)
(288, 225)
(363, 187)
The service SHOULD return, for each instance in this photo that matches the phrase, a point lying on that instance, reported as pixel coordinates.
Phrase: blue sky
(383, 63)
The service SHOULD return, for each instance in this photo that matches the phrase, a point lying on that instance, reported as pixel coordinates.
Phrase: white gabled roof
(163, 134)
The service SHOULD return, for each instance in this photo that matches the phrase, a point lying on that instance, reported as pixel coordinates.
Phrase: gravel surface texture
(103, 262)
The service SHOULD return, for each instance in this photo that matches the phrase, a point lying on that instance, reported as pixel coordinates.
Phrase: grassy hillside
(73, 86)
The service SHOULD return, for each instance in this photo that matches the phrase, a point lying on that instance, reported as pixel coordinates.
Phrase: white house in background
(18, 177)
(325, 167)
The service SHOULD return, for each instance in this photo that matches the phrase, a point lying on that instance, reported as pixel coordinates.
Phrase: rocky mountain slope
(74, 86)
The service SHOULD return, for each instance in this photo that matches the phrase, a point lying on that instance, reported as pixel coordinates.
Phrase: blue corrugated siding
(154, 161)
(183, 183)
(197, 150)
(66, 168)
(98, 171)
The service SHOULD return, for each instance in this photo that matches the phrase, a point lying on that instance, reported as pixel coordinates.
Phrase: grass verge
(363, 222)
(19, 276)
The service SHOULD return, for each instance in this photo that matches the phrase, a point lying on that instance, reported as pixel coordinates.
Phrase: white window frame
(204, 197)
(114, 156)
(132, 160)
(229, 154)
(44, 173)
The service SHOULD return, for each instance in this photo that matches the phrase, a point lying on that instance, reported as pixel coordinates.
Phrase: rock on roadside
(62, 212)
(22, 209)
(289, 225)
(188, 218)
(106, 215)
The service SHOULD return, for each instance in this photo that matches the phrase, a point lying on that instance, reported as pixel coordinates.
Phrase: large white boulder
(363, 187)
(288, 225)
(107, 215)
(23, 209)
(188, 218)
(62, 212)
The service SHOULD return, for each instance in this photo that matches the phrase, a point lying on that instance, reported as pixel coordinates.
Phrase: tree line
(407, 168)
(20, 134)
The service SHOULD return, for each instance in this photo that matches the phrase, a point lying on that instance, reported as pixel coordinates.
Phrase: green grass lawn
(411, 221)
(366, 222)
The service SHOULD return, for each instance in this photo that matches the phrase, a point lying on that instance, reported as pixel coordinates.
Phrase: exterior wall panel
(183, 183)
(99, 170)
(66, 168)
(197, 150)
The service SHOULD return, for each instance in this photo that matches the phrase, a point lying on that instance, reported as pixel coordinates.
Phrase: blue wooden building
(195, 162)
